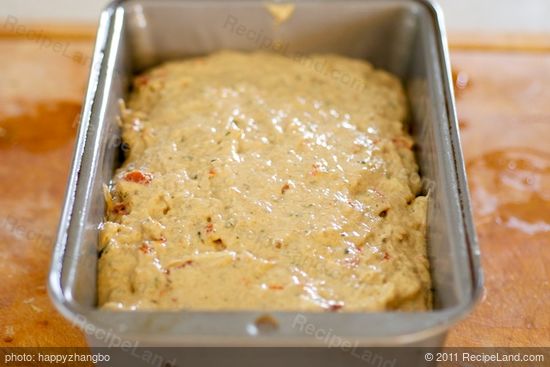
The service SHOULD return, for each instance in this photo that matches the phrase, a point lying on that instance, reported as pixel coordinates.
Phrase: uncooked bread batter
(255, 181)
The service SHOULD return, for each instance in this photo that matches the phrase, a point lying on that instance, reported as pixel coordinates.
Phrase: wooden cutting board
(504, 112)
(504, 115)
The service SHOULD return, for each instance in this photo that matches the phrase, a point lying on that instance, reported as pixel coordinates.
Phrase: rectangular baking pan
(405, 37)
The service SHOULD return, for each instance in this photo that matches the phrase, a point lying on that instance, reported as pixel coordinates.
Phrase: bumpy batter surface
(257, 181)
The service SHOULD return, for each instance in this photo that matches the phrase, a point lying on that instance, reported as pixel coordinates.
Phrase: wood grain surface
(504, 113)
(505, 126)
(40, 94)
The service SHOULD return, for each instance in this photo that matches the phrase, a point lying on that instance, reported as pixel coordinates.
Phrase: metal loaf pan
(405, 37)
